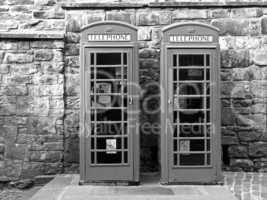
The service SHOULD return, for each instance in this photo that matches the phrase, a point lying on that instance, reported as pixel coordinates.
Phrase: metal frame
(132, 75)
(189, 28)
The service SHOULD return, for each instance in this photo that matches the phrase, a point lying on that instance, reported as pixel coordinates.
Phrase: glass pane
(207, 60)
(108, 129)
(125, 143)
(192, 159)
(174, 145)
(191, 60)
(208, 159)
(108, 87)
(174, 57)
(108, 73)
(92, 58)
(191, 130)
(189, 88)
(191, 145)
(109, 158)
(92, 157)
(196, 117)
(92, 143)
(175, 159)
(189, 103)
(175, 74)
(208, 145)
(107, 115)
(126, 157)
(125, 58)
(207, 74)
(108, 58)
(191, 74)
(102, 143)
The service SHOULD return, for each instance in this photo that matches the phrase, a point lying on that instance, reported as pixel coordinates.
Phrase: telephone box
(109, 137)
(190, 136)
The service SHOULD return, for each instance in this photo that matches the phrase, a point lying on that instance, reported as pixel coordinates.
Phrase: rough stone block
(235, 58)
(237, 27)
(41, 125)
(51, 90)
(73, 23)
(8, 45)
(144, 33)
(72, 85)
(147, 18)
(258, 149)
(15, 90)
(4, 68)
(260, 57)
(149, 63)
(149, 53)
(247, 74)
(264, 25)
(72, 61)
(43, 55)
(20, 2)
(73, 103)
(24, 69)
(16, 151)
(19, 79)
(241, 164)
(47, 44)
(46, 79)
(55, 67)
(71, 152)
(29, 105)
(18, 58)
(54, 13)
(38, 3)
(189, 14)
(218, 13)
(72, 37)
(93, 16)
(45, 156)
(72, 49)
(238, 151)
(2, 148)
(121, 15)
(22, 9)
(226, 88)
(246, 12)
(227, 116)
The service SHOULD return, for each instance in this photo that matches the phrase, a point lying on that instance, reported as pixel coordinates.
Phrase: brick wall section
(243, 40)
(31, 108)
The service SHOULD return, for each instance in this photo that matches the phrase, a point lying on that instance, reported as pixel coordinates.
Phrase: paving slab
(65, 187)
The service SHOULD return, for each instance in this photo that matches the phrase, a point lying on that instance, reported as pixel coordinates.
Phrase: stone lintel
(32, 35)
(183, 4)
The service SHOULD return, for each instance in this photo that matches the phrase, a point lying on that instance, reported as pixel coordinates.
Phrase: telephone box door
(190, 140)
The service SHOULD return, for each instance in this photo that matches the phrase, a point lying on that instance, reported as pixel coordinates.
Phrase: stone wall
(40, 78)
(31, 107)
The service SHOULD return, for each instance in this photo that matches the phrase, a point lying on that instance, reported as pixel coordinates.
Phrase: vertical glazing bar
(178, 110)
(122, 107)
(205, 108)
(95, 114)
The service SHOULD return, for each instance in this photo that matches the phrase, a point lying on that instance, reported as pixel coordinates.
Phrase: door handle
(130, 100)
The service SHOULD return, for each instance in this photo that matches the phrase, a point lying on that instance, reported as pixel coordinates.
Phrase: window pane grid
(186, 149)
(108, 147)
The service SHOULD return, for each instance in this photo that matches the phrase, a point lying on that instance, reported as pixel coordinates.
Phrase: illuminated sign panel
(109, 37)
(191, 38)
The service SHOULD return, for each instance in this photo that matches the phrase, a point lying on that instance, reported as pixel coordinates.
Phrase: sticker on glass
(111, 146)
(184, 145)
(103, 88)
